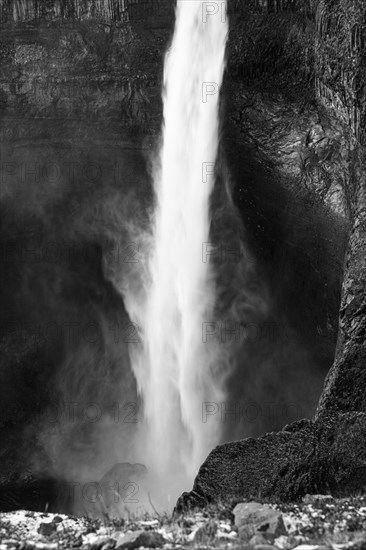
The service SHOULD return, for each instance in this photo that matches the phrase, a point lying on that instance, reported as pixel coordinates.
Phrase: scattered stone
(206, 533)
(337, 526)
(231, 535)
(57, 519)
(317, 499)
(223, 526)
(149, 524)
(30, 544)
(226, 515)
(141, 538)
(294, 524)
(98, 543)
(247, 532)
(257, 540)
(47, 529)
(128, 540)
(253, 518)
(359, 537)
(285, 543)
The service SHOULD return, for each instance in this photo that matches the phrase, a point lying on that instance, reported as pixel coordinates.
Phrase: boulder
(102, 542)
(206, 534)
(307, 457)
(140, 538)
(258, 540)
(122, 487)
(260, 518)
(47, 529)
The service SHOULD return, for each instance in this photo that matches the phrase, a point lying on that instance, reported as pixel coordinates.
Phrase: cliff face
(277, 70)
(19, 10)
(341, 74)
(297, 73)
(153, 12)
(312, 113)
(290, 159)
(81, 113)
(78, 118)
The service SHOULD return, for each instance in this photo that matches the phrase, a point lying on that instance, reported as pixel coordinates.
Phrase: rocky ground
(317, 523)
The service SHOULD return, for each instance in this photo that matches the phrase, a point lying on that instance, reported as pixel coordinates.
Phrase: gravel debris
(320, 522)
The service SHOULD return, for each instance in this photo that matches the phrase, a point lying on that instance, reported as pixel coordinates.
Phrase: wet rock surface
(323, 456)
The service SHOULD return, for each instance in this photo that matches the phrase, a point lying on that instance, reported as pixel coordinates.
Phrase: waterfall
(176, 370)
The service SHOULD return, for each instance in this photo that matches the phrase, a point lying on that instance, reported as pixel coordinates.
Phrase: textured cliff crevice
(20, 10)
(273, 80)
(345, 383)
(301, 213)
(303, 145)
(341, 72)
(86, 70)
(340, 62)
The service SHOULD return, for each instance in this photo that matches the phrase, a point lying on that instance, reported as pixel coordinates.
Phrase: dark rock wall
(78, 119)
(300, 104)
(327, 153)
(288, 156)
(340, 88)
(153, 11)
(340, 62)
(80, 87)
(20, 10)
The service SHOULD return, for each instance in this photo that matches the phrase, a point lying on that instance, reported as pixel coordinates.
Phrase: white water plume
(177, 371)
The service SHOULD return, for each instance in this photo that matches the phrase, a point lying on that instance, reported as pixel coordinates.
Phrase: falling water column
(176, 370)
